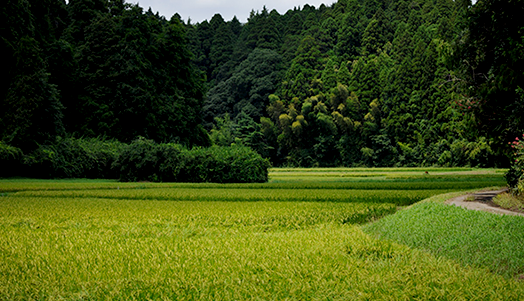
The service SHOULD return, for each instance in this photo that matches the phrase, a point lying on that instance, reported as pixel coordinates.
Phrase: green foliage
(513, 202)
(96, 68)
(73, 158)
(515, 174)
(391, 83)
(145, 160)
(368, 84)
(247, 90)
(222, 46)
(8, 152)
(10, 158)
(235, 164)
(475, 153)
(488, 58)
(141, 160)
(147, 85)
(31, 111)
(350, 32)
(298, 81)
(223, 133)
(375, 35)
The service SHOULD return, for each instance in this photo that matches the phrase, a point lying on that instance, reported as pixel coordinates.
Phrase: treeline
(96, 68)
(357, 83)
(106, 72)
(363, 82)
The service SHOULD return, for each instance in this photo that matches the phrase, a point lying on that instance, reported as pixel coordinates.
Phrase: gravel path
(482, 202)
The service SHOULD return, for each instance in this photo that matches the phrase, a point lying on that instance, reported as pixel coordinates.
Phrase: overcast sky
(200, 10)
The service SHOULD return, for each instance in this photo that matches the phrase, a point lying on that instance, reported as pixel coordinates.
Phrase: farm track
(482, 201)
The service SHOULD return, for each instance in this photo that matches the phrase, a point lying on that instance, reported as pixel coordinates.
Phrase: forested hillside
(361, 82)
(96, 68)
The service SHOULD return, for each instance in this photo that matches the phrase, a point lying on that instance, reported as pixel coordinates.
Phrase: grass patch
(510, 202)
(474, 238)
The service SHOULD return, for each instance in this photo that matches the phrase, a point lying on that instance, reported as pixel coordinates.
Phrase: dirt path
(481, 202)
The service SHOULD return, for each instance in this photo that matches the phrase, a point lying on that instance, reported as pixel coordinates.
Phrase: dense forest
(357, 83)
(96, 68)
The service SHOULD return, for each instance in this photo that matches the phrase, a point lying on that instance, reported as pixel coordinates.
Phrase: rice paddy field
(308, 234)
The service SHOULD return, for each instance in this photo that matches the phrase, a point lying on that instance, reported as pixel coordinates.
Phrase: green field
(308, 234)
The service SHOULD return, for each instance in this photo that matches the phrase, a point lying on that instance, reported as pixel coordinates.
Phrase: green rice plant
(107, 249)
(398, 197)
(23, 184)
(377, 169)
(195, 214)
(396, 181)
(295, 240)
(389, 171)
(391, 184)
(474, 238)
(454, 177)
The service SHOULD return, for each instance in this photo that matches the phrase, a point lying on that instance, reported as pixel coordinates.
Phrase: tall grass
(474, 238)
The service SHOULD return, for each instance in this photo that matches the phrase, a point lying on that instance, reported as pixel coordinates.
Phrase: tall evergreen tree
(30, 110)
(376, 34)
(489, 56)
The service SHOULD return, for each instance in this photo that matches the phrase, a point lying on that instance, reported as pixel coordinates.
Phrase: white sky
(200, 10)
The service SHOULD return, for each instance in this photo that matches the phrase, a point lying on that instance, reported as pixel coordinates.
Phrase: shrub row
(140, 160)
(73, 158)
(144, 160)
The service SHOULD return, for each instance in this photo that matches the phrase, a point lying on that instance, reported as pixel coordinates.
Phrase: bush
(141, 160)
(144, 160)
(10, 157)
(73, 158)
(224, 164)
(515, 173)
(472, 153)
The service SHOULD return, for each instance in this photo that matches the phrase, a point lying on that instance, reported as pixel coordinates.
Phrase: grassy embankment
(297, 237)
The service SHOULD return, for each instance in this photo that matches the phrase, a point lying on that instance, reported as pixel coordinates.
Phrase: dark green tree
(30, 110)
(263, 30)
(82, 13)
(247, 90)
(221, 49)
(489, 57)
(349, 33)
(329, 75)
(136, 79)
(304, 68)
(376, 34)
